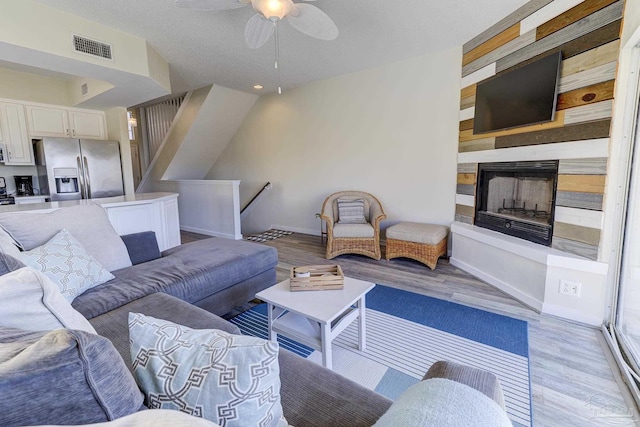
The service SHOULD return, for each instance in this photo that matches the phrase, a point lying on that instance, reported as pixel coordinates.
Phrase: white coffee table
(315, 318)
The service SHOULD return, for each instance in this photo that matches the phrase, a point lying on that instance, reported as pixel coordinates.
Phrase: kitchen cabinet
(65, 123)
(18, 148)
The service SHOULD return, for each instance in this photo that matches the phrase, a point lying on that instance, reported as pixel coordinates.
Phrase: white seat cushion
(353, 230)
(429, 234)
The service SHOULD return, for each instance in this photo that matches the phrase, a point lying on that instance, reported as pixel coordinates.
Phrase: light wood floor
(572, 383)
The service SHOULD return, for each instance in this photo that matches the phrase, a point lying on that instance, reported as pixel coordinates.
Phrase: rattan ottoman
(421, 242)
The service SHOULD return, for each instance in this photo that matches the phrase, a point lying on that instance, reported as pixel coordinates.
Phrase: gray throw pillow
(62, 377)
(142, 246)
(89, 224)
(351, 211)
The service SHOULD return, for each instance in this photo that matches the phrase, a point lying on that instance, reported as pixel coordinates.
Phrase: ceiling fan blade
(310, 20)
(257, 31)
(212, 4)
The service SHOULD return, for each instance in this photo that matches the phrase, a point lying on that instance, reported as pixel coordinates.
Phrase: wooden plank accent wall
(589, 37)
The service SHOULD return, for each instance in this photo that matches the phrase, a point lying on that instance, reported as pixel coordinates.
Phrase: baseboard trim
(503, 286)
(296, 229)
(210, 233)
(569, 314)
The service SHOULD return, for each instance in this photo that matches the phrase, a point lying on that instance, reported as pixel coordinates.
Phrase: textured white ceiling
(204, 47)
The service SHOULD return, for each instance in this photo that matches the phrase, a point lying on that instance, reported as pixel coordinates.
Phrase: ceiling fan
(306, 18)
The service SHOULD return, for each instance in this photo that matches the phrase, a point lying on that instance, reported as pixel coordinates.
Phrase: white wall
(391, 131)
(33, 88)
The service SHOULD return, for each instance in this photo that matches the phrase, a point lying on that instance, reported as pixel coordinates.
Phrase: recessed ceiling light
(258, 87)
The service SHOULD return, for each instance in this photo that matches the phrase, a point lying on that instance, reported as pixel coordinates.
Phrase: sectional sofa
(191, 285)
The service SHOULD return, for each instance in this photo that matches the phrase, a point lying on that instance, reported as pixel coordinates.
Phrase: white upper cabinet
(87, 124)
(19, 150)
(48, 121)
(65, 123)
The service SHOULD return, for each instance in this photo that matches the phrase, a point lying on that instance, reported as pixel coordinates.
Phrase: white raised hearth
(532, 273)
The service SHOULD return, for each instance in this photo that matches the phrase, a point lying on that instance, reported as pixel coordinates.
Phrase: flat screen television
(521, 97)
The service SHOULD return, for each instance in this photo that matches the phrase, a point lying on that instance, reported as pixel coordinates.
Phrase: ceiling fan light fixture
(273, 10)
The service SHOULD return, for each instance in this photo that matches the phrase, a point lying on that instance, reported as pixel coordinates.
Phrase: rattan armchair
(343, 240)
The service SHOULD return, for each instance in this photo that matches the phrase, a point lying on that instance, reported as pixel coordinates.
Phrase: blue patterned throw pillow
(232, 380)
(67, 264)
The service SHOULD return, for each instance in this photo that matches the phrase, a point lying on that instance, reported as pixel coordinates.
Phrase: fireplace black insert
(518, 199)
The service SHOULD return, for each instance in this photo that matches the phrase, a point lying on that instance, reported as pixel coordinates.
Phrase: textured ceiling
(204, 47)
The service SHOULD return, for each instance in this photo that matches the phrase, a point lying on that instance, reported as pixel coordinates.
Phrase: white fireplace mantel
(532, 273)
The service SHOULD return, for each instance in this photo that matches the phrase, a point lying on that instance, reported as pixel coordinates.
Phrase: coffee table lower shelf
(306, 331)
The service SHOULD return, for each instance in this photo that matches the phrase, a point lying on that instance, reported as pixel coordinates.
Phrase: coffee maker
(24, 185)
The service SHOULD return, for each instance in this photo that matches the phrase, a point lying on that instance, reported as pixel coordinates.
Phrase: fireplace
(518, 199)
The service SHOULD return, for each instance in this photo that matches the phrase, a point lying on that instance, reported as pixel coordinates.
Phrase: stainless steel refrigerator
(71, 169)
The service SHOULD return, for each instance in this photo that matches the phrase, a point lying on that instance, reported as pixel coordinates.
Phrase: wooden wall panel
(514, 45)
(588, 36)
(599, 74)
(466, 124)
(574, 247)
(467, 178)
(590, 236)
(576, 30)
(465, 210)
(468, 102)
(591, 58)
(571, 199)
(510, 20)
(589, 130)
(596, 166)
(468, 91)
(495, 42)
(586, 95)
(477, 145)
(468, 135)
(571, 48)
(586, 113)
(467, 168)
(581, 183)
(574, 14)
(466, 189)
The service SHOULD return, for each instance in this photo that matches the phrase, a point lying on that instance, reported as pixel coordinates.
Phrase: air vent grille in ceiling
(91, 47)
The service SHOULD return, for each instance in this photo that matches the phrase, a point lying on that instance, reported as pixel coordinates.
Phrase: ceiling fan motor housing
(273, 10)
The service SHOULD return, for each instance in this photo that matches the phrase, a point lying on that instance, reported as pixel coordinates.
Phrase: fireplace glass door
(517, 198)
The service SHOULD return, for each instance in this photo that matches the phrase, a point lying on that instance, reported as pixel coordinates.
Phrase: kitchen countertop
(132, 199)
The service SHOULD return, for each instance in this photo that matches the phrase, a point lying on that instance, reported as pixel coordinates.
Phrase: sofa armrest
(142, 247)
(483, 381)
(313, 396)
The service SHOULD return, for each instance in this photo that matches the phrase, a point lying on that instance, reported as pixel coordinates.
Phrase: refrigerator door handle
(81, 178)
(86, 177)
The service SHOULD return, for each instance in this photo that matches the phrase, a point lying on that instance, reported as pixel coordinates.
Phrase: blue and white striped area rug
(407, 333)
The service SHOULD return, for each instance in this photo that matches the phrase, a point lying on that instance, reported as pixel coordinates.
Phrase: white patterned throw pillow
(67, 264)
(232, 380)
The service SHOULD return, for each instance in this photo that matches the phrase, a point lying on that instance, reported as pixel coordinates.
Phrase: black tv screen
(524, 96)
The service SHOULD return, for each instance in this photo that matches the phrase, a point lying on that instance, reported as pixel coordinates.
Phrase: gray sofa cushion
(142, 247)
(89, 224)
(62, 377)
(191, 272)
(114, 324)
